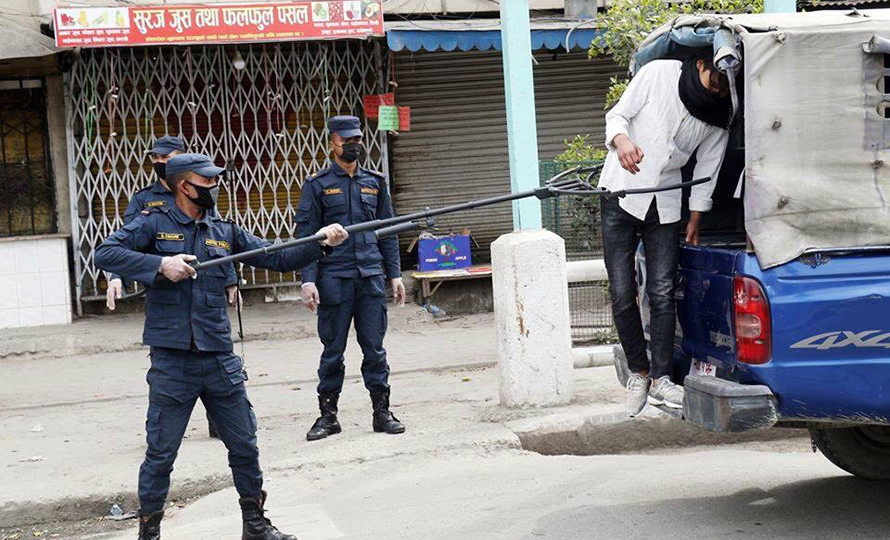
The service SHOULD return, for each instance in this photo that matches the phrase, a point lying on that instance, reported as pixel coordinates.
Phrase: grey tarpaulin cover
(816, 136)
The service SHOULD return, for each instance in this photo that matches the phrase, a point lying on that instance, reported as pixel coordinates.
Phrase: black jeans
(622, 233)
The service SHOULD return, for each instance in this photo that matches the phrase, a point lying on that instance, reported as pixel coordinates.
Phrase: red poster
(404, 118)
(372, 102)
(217, 23)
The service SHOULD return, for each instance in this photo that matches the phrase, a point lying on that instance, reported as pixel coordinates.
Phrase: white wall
(34, 281)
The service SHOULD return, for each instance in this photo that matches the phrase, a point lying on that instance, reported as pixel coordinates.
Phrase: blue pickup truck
(784, 306)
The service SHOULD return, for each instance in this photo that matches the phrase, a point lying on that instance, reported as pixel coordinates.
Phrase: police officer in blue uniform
(189, 333)
(153, 196)
(158, 195)
(350, 285)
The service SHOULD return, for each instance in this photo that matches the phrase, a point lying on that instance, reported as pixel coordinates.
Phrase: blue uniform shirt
(331, 196)
(193, 310)
(157, 196)
(153, 196)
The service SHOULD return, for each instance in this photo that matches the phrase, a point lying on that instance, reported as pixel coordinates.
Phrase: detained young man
(670, 111)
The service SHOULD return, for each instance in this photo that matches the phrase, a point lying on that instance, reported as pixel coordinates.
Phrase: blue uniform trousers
(176, 380)
(344, 300)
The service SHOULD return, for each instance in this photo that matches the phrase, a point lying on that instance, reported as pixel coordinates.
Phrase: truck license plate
(700, 367)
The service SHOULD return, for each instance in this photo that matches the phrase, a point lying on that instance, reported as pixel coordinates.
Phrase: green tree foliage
(582, 211)
(626, 23)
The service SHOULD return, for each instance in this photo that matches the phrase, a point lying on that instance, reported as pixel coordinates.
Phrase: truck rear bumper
(717, 404)
(726, 406)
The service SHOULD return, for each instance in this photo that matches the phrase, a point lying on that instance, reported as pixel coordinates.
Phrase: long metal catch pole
(557, 186)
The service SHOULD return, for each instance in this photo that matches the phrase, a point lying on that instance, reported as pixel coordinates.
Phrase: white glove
(115, 291)
(398, 291)
(310, 296)
(234, 295)
(176, 268)
(335, 233)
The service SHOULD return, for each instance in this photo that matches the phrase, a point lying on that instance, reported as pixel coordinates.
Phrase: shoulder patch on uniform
(312, 177)
(378, 174)
(155, 204)
(333, 191)
(218, 243)
(170, 236)
(370, 191)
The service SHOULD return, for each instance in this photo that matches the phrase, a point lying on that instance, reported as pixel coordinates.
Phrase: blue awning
(484, 35)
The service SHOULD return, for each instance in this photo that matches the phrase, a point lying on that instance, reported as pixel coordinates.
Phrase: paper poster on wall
(372, 102)
(388, 118)
(404, 118)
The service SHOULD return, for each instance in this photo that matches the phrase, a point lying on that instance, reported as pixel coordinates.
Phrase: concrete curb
(94, 505)
(74, 344)
(589, 434)
(596, 356)
(607, 431)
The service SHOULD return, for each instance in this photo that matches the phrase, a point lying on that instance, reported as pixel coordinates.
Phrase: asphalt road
(763, 491)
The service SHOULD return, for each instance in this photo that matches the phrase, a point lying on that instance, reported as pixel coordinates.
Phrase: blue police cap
(345, 126)
(196, 163)
(167, 144)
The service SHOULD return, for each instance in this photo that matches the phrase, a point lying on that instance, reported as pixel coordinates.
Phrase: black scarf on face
(701, 103)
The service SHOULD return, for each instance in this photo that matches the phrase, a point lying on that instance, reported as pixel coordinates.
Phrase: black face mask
(351, 152)
(206, 198)
(160, 169)
(701, 103)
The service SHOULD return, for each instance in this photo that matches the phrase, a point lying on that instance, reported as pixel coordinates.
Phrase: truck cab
(784, 306)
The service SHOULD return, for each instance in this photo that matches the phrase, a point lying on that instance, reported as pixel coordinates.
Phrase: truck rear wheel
(863, 451)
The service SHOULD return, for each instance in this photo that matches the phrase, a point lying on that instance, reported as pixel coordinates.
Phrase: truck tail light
(753, 327)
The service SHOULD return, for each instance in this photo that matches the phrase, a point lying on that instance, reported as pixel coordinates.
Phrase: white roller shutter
(456, 150)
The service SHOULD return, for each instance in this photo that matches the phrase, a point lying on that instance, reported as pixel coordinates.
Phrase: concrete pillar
(531, 305)
(58, 147)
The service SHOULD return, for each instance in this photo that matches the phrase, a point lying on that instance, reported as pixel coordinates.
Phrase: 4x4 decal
(845, 338)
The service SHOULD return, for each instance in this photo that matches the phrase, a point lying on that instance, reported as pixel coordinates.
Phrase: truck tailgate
(704, 306)
(831, 336)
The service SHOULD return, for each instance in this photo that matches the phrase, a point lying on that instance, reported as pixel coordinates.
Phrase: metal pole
(519, 89)
(780, 6)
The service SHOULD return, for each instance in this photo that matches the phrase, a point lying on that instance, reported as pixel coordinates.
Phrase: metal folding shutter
(266, 122)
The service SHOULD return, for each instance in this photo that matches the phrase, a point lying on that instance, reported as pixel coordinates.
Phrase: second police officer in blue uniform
(188, 330)
(350, 284)
(155, 196)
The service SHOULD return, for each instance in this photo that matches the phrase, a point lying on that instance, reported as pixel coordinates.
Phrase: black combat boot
(150, 525)
(256, 526)
(384, 421)
(327, 423)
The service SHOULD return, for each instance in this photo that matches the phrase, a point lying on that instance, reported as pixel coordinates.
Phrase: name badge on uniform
(155, 204)
(333, 191)
(370, 191)
(217, 243)
(170, 236)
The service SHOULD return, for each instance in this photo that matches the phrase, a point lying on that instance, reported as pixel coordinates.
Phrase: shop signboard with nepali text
(217, 23)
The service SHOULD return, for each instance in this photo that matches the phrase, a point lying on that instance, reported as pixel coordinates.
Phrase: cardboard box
(444, 252)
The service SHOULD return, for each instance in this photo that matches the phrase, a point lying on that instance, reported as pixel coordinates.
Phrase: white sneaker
(637, 390)
(664, 392)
